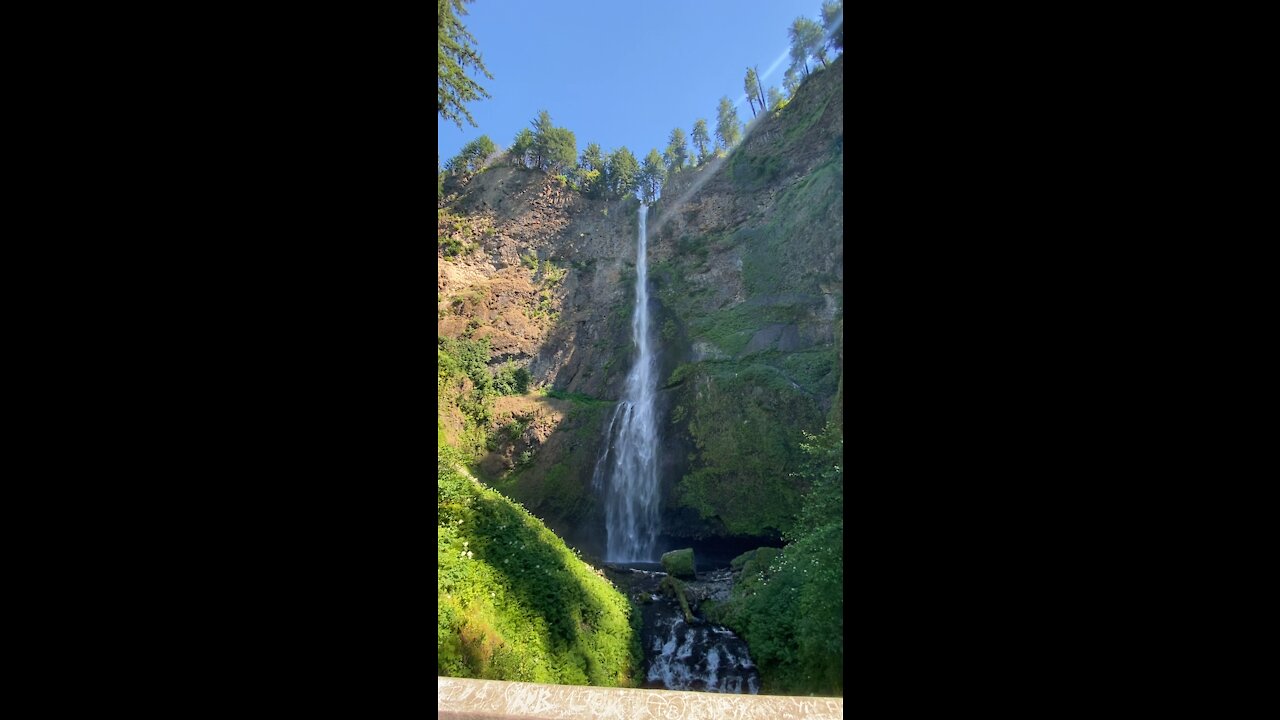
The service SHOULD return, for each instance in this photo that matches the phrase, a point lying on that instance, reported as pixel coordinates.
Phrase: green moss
(745, 423)
(679, 563)
(671, 587)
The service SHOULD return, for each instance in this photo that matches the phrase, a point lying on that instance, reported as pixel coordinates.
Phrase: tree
(455, 51)
(677, 151)
(806, 40)
(591, 170)
(791, 81)
(759, 88)
(701, 139)
(560, 149)
(776, 100)
(472, 157)
(749, 84)
(651, 176)
(591, 158)
(521, 146)
(623, 171)
(728, 126)
(541, 137)
(833, 23)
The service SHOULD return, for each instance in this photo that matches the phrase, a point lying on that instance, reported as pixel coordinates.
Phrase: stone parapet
(461, 698)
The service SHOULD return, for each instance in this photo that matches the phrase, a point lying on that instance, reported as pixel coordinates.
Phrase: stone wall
(494, 700)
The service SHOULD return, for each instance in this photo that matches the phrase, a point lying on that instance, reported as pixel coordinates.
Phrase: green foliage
(776, 99)
(591, 158)
(455, 52)
(789, 605)
(745, 421)
(791, 81)
(561, 150)
(576, 397)
(516, 604)
(677, 152)
(833, 23)
(521, 147)
(807, 40)
(652, 175)
(511, 379)
(701, 139)
(623, 173)
(465, 382)
(728, 126)
(473, 156)
(592, 170)
(554, 148)
(751, 85)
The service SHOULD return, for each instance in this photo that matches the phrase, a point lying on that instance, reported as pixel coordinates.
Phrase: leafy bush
(511, 379)
(788, 605)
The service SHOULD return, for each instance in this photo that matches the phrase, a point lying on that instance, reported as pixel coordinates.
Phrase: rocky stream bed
(686, 652)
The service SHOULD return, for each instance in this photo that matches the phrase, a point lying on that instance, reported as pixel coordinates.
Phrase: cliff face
(746, 268)
(748, 265)
(548, 268)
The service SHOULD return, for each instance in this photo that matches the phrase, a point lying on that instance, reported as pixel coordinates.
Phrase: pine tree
(455, 51)
(541, 138)
(623, 171)
(728, 126)
(591, 158)
(749, 84)
(833, 23)
(807, 40)
(759, 88)
(677, 151)
(561, 149)
(791, 81)
(651, 176)
(701, 139)
(521, 146)
(591, 170)
(775, 98)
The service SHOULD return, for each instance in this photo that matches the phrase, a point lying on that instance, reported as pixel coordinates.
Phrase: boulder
(679, 563)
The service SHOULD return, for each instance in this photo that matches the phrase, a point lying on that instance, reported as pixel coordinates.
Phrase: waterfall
(629, 459)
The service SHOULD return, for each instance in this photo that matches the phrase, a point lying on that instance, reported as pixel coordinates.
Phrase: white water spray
(629, 459)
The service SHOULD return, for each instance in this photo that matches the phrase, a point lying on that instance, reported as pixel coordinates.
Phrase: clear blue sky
(620, 73)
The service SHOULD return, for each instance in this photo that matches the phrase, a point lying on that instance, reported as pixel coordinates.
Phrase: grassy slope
(515, 603)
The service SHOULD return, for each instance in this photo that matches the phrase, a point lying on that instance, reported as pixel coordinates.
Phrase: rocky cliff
(746, 258)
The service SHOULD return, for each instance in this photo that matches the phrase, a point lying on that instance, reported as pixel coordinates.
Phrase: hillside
(515, 603)
(746, 257)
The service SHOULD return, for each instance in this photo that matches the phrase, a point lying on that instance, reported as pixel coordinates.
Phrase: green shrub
(788, 604)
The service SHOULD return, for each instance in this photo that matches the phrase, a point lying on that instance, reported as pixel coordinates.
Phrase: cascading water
(627, 468)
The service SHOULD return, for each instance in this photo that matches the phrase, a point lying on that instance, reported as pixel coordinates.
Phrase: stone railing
(494, 700)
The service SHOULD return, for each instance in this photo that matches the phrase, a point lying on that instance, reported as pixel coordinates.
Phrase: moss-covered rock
(754, 559)
(679, 563)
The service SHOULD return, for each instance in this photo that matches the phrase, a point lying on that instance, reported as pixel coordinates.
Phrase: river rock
(679, 563)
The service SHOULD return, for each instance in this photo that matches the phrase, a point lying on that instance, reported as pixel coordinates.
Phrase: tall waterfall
(627, 468)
